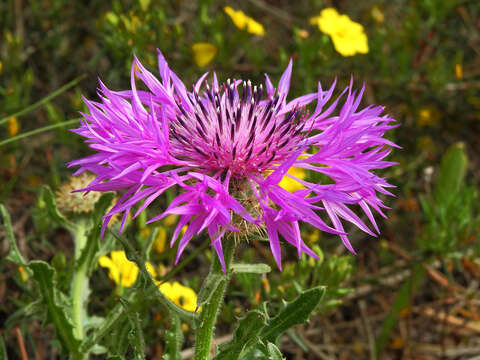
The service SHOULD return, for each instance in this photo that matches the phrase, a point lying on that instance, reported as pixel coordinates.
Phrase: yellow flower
(459, 71)
(290, 184)
(13, 126)
(23, 273)
(377, 14)
(348, 36)
(203, 53)
(170, 220)
(181, 295)
(303, 34)
(244, 22)
(121, 270)
(161, 240)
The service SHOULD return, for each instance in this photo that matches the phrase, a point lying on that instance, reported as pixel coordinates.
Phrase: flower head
(348, 36)
(121, 270)
(227, 147)
(244, 22)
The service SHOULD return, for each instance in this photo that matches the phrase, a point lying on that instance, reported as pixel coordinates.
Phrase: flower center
(228, 130)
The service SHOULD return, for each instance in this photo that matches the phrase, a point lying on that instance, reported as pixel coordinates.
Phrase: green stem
(206, 321)
(79, 282)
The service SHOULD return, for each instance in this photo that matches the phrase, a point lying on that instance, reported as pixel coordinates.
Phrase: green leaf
(452, 173)
(47, 196)
(45, 100)
(3, 350)
(246, 335)
(296, 312)
(402, 301)
(38, 131)
(144, 4)
(273, 352)
(135, 335)
(45, 276)
(210, 284)
(251, 268)
(173, 339)
(28, 310)
(14, 254)
(111, 320)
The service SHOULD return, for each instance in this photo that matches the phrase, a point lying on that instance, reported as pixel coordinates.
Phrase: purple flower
(227, 146)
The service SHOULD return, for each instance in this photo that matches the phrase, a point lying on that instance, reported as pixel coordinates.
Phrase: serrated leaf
(135, 335)
(173, 339)
(45, 276)
(14, 254)
(296, 312)
(33, 308)
(452, 173)
(244, 337)
(47, 196)
(251, 268)
(273, 352)
(210, 284)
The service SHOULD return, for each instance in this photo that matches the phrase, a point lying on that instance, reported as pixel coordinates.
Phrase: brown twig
(21, 343)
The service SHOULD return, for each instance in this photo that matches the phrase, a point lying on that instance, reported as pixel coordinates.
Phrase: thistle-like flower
(227, 147)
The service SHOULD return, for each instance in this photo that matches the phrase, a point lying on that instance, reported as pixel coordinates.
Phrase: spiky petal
(219, 141)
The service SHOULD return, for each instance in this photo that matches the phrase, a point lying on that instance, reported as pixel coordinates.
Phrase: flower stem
(206, 321)
(78, 291)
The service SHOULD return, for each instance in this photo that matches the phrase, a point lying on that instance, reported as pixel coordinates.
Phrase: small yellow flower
(13, 126)
(377, 14)
(290, 184)
(303, 34)
(244, 22)
(23, 273)
(161, 240)
(181, 295)
(459, 71)
(348, 36)
(203, 53)
(1, 67)
(121, 270)
(428, 116)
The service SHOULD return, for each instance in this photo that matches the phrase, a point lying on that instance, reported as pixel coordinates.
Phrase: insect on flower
(226, 147)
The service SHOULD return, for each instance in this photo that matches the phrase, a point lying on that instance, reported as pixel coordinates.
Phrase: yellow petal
(238, 17)
(290, 184)
(161, 240)
(244, 22)
(113, 271)
(151, 269)
(13, 126)
(203, 53)
(254, 27)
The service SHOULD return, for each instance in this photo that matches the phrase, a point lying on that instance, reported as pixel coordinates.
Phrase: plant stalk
(206, 322)
(79, 282)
